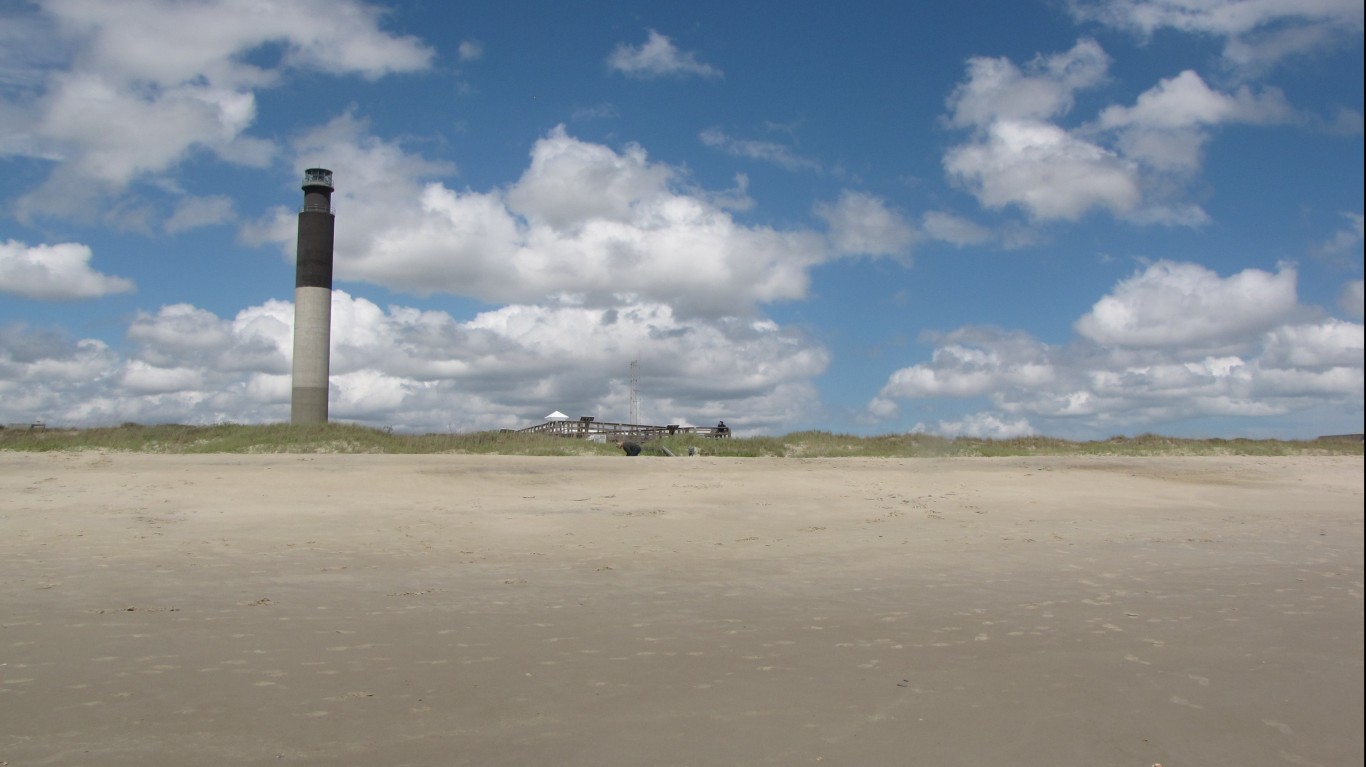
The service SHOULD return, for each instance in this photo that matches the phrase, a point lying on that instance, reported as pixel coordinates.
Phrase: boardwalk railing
(587, 428)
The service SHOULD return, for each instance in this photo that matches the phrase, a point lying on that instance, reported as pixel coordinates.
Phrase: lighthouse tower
(313, 300)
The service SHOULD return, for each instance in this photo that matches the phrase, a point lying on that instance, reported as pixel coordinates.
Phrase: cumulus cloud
(182, 335)
(44, 372)
(54, 272)
(979, 425)
(882, 409)
(1017, 156)
(973, 362)
(658, 57)
(551, 190)
(1167, 126)
(863, 224)
(1324, 345)
(996, 89)
(1174, 342)
(150, 81)
(419, 370)
(1172, 304)
(585, 224)
(1043, 169)
(1132, 161)
(1256, 35)
(1186, 101)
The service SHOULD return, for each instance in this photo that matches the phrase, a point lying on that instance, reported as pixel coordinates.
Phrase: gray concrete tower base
(312, 349)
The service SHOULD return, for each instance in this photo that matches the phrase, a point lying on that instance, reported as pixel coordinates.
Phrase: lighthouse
(313, 300)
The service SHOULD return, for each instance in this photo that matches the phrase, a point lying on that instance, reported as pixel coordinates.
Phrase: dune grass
(820, 444)
(349, 438)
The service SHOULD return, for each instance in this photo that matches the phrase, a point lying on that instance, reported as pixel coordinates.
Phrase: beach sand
(495, 610)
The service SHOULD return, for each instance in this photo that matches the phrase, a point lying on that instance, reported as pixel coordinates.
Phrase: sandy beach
(492, 610)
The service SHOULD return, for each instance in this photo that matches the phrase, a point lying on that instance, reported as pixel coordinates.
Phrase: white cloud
(552, 190)
(1185, 101)
(54, 272)
(1350, 300)
(1174, 343)
(972, 362)
(1045, 170)
(1134, 161)
(195, 212)
(1346, 241)
(179, 332)
(181, 337)
(1345, 122)
(584, 225)
(110, 134)
(1166, 127)
(420, 370)
(883, 409)
(764, 151)
(658, 57)
(997, 90)
(27, 50)
(168, 43)
(1325, 344)
(1257, 34)
(42, 372)
(955, 230)
(149, 81)
(979, 425)
(471, 50)
(863, 224)
(1017, 155)
(1173, 304)
(141, 378)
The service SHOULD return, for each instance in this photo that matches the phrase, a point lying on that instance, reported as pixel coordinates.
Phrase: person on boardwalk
(722, 430)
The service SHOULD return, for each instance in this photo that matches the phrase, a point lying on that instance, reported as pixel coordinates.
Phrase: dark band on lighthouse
(313, 300)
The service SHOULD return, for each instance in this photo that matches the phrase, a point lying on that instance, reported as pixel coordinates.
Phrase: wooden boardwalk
(589, 428)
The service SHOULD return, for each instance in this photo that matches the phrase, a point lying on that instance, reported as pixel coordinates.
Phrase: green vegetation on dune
(281, 438)
(347, 438)
(820, 444)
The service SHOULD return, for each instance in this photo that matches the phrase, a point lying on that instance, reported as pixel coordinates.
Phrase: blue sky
(1076, 218)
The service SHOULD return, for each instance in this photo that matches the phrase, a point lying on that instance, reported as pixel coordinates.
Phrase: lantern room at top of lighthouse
(317, 177)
